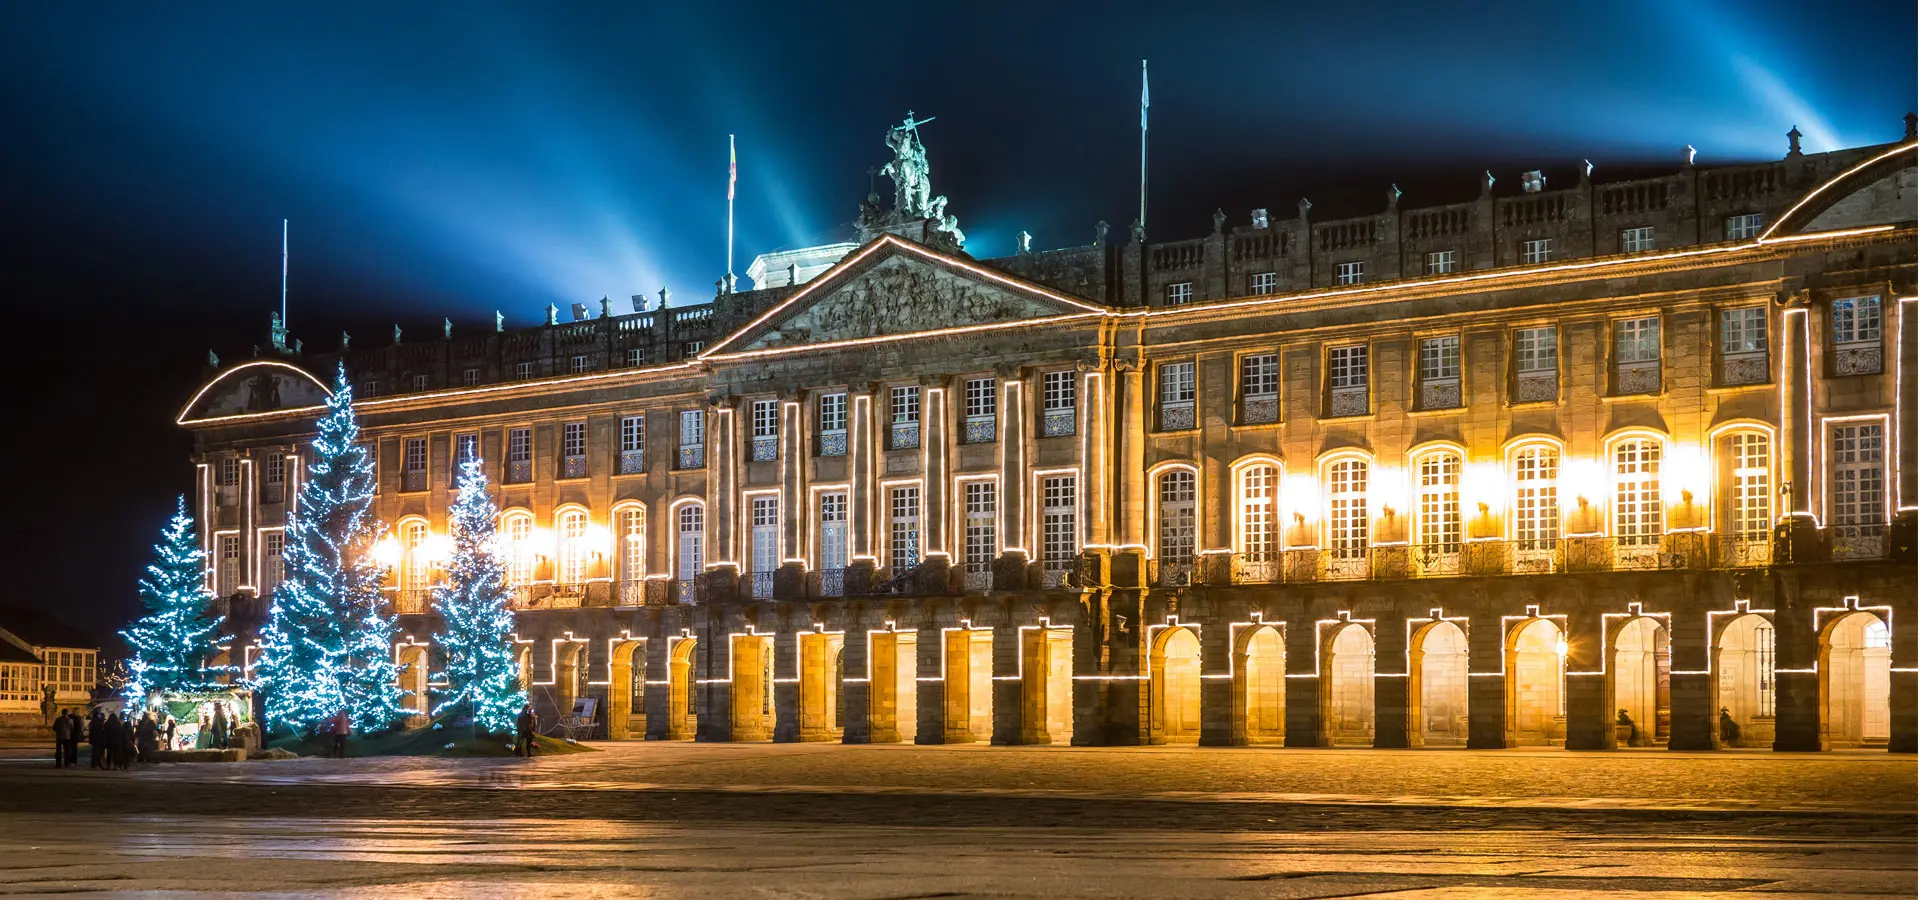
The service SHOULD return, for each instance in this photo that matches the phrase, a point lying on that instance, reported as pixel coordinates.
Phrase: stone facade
(1587, 493)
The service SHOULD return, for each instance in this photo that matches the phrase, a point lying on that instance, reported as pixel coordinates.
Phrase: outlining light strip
(967, 626)
(1342, 618)
(1886, 461)
(1020, 651)
(1507, 635)
(1767, 236)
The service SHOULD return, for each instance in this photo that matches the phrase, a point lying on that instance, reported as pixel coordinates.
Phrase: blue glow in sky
(456, 159)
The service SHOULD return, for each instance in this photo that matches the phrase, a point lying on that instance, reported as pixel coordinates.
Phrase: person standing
(72, 749)
(524, 728)
(123, 755)
(62, 729)
(172, 724)
(97, 740)
(146, 736)
(342, 727)
(219, 726)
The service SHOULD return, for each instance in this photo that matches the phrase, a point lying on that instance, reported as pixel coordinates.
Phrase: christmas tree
(483, 677)
(175, 641)
(328, 645)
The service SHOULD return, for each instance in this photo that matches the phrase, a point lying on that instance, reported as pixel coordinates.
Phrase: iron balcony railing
(977, 576)
(1583, 554)
(762, 585)
(633, 462)
(1056, 573)
(412, 601)
(645, 592)
(1170, 571)
(766, 447)
(833, 582)
(1057, 422)
(689, 591)
(692, 456)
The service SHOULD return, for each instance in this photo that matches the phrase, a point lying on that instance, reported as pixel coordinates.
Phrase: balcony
(633, 462)
(766, 447)
(977, 576)
(1054, 572)
(1858, 541)
(689, 590)
(761, 585)
(1347, 401)
(413, 481)
(834, 442)
(903, 436)
(1170, 571)
(273, 493)
(1637, 377)
(412, 601)
(1860, 358)
(833, 582)
(1739, 551)
(1260, 409)
(1057, 422)
(519, 471)
(1440, 393)
(1743, 368)
(980, 430)
(1539, 386)
(573, 466)
(646, 592)
(1576, 555)
(692, 456)
(1176, 415)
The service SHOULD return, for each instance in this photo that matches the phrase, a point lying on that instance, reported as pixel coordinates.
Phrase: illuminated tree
(483, 677)
(174, 643)
(328, 645)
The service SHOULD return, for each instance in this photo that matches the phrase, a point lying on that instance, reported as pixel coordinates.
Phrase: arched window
(1347, 535)
(1437, 529)
(516, 530)
(1638, 517)
(1259, 521)
(1536, 507)
(571, 529)
(415, 566)
(1746, 492)
(631, 527)
(691, 540)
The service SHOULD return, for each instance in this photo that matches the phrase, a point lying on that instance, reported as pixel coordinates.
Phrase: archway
(412, 661)
(1175, 664)
(1348, 676)
(1536, 684)
(525, 657)
(820, 686)
(1855, 654)
(1046, 685)
(569, 678)
(627, 691)
(752, 687)
(969, 683)
(1261, 683)
(1743, 682)
(1437, 663)
(892, 690)
(681, 704)
(1641, 682)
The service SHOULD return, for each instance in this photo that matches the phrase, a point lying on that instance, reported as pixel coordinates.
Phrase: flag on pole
(733, 167)
(1141, 222)
(1143, 94)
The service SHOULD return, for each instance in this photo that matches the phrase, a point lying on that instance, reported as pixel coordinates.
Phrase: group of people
(117, 740)
(114, 740)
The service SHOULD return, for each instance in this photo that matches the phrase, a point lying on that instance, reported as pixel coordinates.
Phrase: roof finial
(1793, 142)
(1690, 155)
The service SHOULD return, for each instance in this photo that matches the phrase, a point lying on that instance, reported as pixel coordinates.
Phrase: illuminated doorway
(1855, 654)
(969, 683)
(1261, 681)
(1348, 677)
(1536, 684)
(1437, 663)
(1641, 682)
(1744, 682)
(1046, 685)
(1175, 666)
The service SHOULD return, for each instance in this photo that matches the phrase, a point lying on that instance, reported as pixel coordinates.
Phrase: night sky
(453, 159)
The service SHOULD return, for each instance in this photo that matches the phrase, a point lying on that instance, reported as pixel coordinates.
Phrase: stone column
(786, 687)
(1799, 446)
(1306, 713)
(712, 657)
(1696, 714)
(1796, 650)
(936, 439)
(1391, 702)
(658, 699)
(723, 481)
(1014, 455)
(1008, 708)
(864, 678)
(796, 520)
(861, 442)
(1486, 681)
(1220, 718)
(1589, 693)
(1089, 708)
(1129, 429)
(930, 700)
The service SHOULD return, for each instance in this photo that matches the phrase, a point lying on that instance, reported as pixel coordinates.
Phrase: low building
(39, 653)
(1623, 462)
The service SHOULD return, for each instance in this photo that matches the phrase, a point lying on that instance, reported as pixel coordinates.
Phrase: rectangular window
(1859, 488)
(470, 377)
(1179, 293)
(1347, 519)
(1439, 531)
(1350, 272)
(419, 383)
(982, 509)
(413, 464)
(833, 544)
(1059, 528)
(691, 545)
(766, 545)
(765, 445)
(1636, 355)
(633, 444)
(693, 348)
(1743, 345)
(905, 431)
(1443, 262)
(228, 582)
(1536, 350)
(1259, 537)
(1347, 380)
(1856, 336)
(1259, 284)
(904, 524)
(1638, 517)
(1635, 240)
(833, 424)
(1259, 389)
(1750, 512)
(1176, 396)
(229, 471)
(1057, 404)
(578, 364)
(466, 447)
(693, 440)
(522, 371)
(370, 389)
(1440, 373)
(1538, 250)
(273, 545)
(519, 455)
(573, 450)
(274, 479)
(982, 408)
(1743, 226)
(636, 356)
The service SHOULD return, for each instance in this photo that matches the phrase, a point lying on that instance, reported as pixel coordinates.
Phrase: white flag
(1143, 94)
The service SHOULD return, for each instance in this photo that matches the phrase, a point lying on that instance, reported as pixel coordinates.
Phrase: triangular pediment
(895, 288)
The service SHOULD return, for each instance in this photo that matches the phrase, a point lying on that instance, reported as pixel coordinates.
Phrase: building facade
(44, 664)
(1618, 464)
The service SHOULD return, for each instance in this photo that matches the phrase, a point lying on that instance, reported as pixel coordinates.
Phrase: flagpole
(733, 174)
(1143, 145)
(283, 273)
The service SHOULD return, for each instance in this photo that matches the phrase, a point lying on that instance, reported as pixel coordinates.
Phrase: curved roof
(255, 387)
